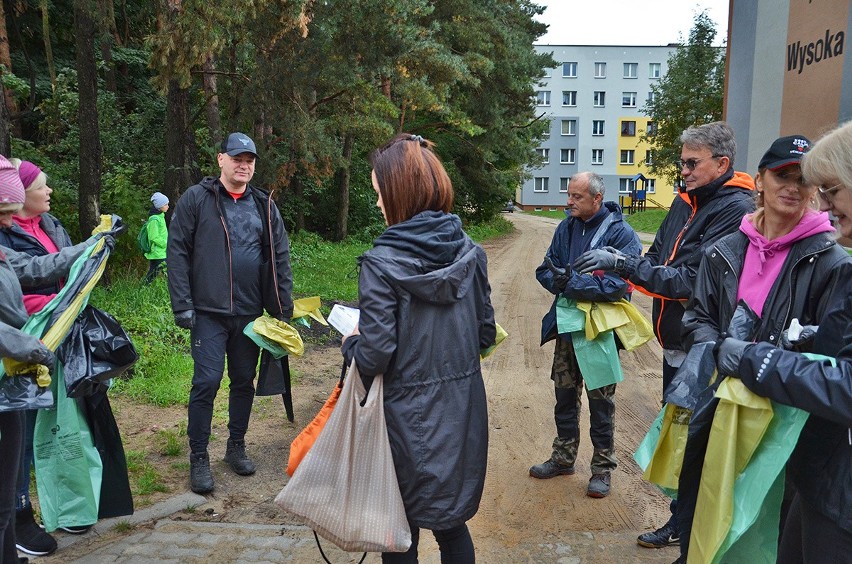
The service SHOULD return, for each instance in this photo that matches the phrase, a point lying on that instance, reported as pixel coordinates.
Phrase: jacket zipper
(272, 252)
(675, 247)
(228, 245)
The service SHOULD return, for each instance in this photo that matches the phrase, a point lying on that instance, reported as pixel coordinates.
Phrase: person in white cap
(158, 235)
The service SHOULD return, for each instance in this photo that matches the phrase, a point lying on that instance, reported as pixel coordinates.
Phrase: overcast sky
(626, 22)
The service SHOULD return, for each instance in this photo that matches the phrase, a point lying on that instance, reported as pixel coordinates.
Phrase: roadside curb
(152, 513)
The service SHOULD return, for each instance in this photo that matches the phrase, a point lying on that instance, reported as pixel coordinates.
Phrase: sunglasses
(690, 164)
(827, 194)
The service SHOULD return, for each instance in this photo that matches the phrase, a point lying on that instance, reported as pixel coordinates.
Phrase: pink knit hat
(11, 189)
(29, 173)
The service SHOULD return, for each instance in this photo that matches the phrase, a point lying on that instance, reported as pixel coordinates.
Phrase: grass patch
(647, 221)
(144, 478)
(169, 444)
(483, 231)
(122, 527)
(559, 214)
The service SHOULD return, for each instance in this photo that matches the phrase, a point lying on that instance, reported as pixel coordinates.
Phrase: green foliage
(144, 478)
(691, 93)
(495, 227)
(325, 269)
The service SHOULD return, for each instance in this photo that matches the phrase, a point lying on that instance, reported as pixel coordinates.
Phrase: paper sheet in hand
(343, 318)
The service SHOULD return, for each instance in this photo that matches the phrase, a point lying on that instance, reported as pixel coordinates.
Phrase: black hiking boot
(235, 457)
(200, 477)
(550, 469)
(599, 485)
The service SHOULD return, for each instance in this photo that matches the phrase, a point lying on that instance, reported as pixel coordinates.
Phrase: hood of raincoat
(429, 256)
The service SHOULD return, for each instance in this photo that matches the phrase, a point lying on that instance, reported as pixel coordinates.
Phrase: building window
(569, 127)
(542, 97)
(600, 98)
(569, 70)
(631, 70)
(600, 70)
(628, 100)
(628, 128)
(651, 185)
(541, 184)
(566, 156)
(627, 156)
(649, 157)
(548, 73)
(544, 154)
(652, 128)
(598, 127)
(626, 185)
(569, 97)
(597, 156)
(563, 184)
(654, 70)
(651, 97)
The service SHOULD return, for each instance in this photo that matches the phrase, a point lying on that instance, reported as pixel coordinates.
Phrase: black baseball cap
(237, 144)
(785, 151)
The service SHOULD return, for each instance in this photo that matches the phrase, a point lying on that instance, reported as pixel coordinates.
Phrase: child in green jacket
(158, 235)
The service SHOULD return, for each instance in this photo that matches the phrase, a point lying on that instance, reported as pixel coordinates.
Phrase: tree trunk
(212, 96)
(48, 49)
(6, 59)
(341, 181)
(181, 152)
(87, 114)
(5, 127)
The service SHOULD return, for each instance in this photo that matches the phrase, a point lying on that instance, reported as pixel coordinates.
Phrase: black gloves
(804, 341)
(44, 356)
(185, 319)
(561, 276)
(606, 258)
(728, 356)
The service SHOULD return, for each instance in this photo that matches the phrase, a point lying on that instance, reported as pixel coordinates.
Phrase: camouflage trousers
(569, 386)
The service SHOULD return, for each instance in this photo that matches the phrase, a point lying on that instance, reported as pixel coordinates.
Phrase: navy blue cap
(237, 144)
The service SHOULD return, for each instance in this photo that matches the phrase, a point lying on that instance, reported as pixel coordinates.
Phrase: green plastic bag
(598, 359)
(68, 466)
(568, 317)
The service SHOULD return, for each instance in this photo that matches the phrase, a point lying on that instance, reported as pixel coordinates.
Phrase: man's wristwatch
(619, 263)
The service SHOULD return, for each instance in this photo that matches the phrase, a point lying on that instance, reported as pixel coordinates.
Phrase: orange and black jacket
(696, 220)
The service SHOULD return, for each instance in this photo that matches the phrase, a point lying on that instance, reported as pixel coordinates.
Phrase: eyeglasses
(827, 194)
(692, 163)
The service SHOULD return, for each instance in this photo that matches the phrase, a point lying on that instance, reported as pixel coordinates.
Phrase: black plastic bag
(692, 376)
(274, 379)
(97, 348)
(22, 392)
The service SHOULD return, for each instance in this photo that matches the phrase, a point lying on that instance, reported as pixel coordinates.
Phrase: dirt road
(521, 519)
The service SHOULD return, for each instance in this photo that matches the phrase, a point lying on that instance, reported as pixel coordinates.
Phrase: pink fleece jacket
(764, 259)
(32, 225)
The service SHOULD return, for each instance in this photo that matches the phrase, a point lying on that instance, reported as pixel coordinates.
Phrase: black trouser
(213, 337)
(154, 266)
(11, 434)
(668, 375)
(812, 538)
(455, 544)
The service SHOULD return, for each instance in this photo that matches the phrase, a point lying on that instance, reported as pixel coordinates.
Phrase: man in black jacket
(710, 205)
(229, 259)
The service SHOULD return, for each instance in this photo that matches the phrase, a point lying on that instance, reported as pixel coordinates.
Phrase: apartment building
(592, 100)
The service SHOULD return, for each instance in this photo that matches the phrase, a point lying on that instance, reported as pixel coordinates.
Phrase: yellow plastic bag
(501, 336)
(276, 332)
(308, 307)
(741, 419)
(664, 467)
(629, 324)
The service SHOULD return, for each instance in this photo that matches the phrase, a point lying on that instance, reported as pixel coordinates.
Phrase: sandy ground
(521, 519)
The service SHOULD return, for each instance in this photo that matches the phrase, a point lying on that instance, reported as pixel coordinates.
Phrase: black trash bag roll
(274, 379)
(116, 497)
(22, 392)
(97, 348)
(692, 377)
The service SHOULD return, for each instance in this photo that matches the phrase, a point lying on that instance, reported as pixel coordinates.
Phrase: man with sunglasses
(713, 199)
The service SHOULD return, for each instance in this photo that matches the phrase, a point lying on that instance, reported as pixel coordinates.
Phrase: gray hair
(830, 158)
(595, 182)
(717, 136)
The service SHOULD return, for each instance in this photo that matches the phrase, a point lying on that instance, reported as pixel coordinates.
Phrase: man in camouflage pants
(592, 224)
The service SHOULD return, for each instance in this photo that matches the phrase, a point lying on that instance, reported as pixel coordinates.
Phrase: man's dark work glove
(801, 343)
(561, 276)
(728, 356)
(185, 319)
(606, 258)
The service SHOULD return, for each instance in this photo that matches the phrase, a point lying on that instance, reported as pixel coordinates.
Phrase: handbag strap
(324, 557)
